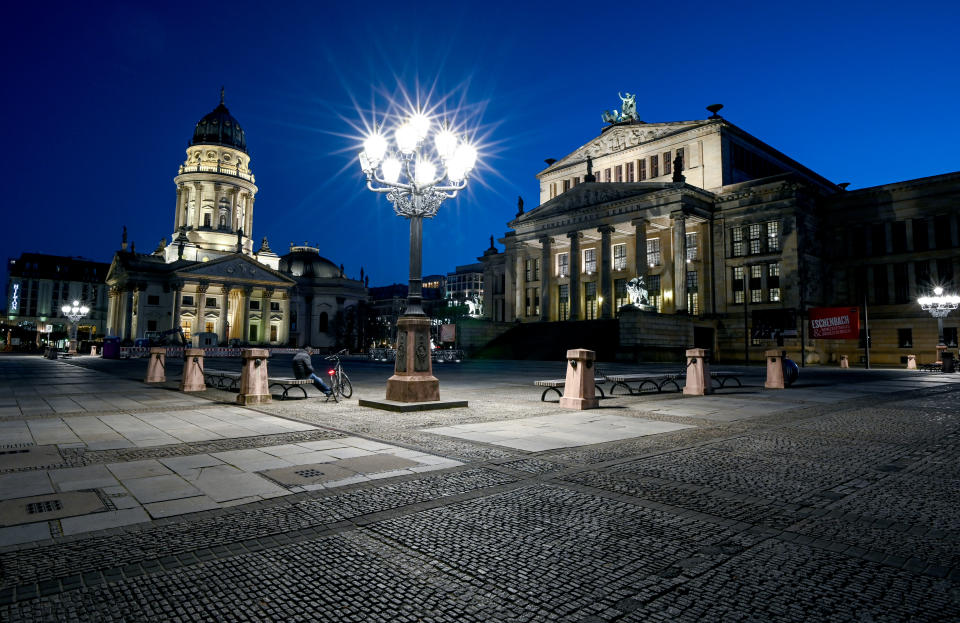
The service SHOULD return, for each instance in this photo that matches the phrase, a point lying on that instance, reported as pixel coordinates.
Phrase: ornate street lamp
(939, 305)
(417, 175)
(74, 312)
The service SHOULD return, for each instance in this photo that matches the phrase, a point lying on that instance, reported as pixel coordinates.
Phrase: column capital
(545, 239)
(678, 216)
(268, 292)
(176, 284)
(202, 287)
(606, 229)
(247, 290)
(574, 235)
(640, 221)
(225, 288)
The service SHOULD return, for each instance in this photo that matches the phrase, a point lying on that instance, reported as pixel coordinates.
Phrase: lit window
(693, 250)
(619, 257)
(589, 261)
(653, 252)
(736, 235)
(755, 239)
(773, 236)
(563, 264)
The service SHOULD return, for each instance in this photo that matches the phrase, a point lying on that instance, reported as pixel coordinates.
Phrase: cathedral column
(245, 313)
(606, 271)
(640, 246)
(248, 220)
(679, 251)
(127, 312)
(177, 217)
(546, 277)
(217, 195)
(265, 315)
(225, 320)
(202, 306)
(574, 237)
(510, 281)
(112, 311)
(198, 205)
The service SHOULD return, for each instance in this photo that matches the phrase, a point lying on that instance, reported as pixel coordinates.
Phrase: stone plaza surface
(835, 500)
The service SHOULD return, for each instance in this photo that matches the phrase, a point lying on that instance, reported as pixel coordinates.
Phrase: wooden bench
(557, 384)
(656, 381)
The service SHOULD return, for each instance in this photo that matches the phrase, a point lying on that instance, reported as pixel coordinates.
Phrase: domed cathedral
(215, 192)
(209, 281)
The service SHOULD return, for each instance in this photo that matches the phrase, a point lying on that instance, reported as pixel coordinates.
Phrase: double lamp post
(74, 312)
(416, 175)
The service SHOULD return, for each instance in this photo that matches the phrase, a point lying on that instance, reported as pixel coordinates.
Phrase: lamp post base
(413, 379)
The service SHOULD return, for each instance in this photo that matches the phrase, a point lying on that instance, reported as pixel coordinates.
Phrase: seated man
(303, 369)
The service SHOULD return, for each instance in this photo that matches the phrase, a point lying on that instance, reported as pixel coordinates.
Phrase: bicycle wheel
(346, 389)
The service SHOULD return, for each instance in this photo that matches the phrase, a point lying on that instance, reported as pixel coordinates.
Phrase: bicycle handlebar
(337, 355)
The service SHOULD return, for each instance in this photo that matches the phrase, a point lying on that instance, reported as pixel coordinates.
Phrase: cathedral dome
(304, 261)
(220, 128)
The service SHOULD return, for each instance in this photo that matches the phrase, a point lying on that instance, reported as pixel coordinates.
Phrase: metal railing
(219, 169)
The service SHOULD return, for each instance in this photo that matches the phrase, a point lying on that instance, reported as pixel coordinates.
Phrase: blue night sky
(99, 103)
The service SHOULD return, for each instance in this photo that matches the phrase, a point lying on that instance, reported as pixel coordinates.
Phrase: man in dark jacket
(303, 369)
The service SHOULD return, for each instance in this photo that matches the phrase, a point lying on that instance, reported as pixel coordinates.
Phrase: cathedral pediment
(235, 268)
(621, 137)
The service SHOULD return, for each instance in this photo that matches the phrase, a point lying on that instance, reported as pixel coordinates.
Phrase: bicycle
(339, 381)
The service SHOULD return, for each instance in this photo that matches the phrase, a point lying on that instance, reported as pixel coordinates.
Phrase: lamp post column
(413, 379)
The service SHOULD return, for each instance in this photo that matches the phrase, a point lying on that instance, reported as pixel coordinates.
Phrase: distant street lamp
(74, 312)
(417, 175)
(939, 306)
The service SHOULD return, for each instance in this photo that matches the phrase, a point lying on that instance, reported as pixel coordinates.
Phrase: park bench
(722, 378)
(222, 379)
(558, 384)
(288, 383)
(655, 381)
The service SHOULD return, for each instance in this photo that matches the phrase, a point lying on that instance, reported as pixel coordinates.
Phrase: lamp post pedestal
(413, 379)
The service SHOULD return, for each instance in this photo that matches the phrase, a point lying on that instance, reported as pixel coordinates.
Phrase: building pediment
(621, 137)
(588, 195)
(236, 268)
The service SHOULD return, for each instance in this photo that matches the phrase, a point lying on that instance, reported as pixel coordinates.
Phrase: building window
(880, 285)
(653, 291)
(620, 297)
(323, 323)
(905, 338)
(773, 282)
(528, 264)
(590, 291)
(666, 163)
(901, 287)
(606, 175)
(209, 327)
(576, 180)
(153, 299)
(653, 252)
(693, 249)
(211, 301)
(878, 238)
(642, 169)
(254, 304)
(563, 302)
(151, 325)
(941, 230)
(273, 333)
(618, 172)
(898, 232)
(945, 272)
(736, 235)
(654, 167)
(921, 238)
(527, 308)
(536, 269)
(589, 261)
(693, 293)
(206, 220)
(738, 284)
(563, 264)
(773, 236)
(630, 173)
(187, 299)
(756, 283)
(566, 185)
(754, 239)
(274, 306)
(619, 257)
(187, 326)
(921, 271)
(950, 336)
(253, 333)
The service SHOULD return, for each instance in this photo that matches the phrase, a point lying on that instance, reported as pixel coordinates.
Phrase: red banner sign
(835, 323)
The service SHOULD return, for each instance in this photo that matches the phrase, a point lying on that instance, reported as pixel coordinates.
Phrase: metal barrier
(438, 355)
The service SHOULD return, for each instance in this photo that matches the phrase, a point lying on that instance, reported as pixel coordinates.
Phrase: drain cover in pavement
(338, 470)
(30, 456)
(50, 506)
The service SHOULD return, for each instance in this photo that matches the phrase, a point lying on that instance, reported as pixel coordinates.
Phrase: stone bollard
(93, 350)
(844, 361)
(192, 380)
(579, 389)
(698, 373)
(157, 365)
(775, 369)
(254, 386)
(911, 362)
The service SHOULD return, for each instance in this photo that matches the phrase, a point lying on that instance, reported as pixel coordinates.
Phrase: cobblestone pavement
(833, 501)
